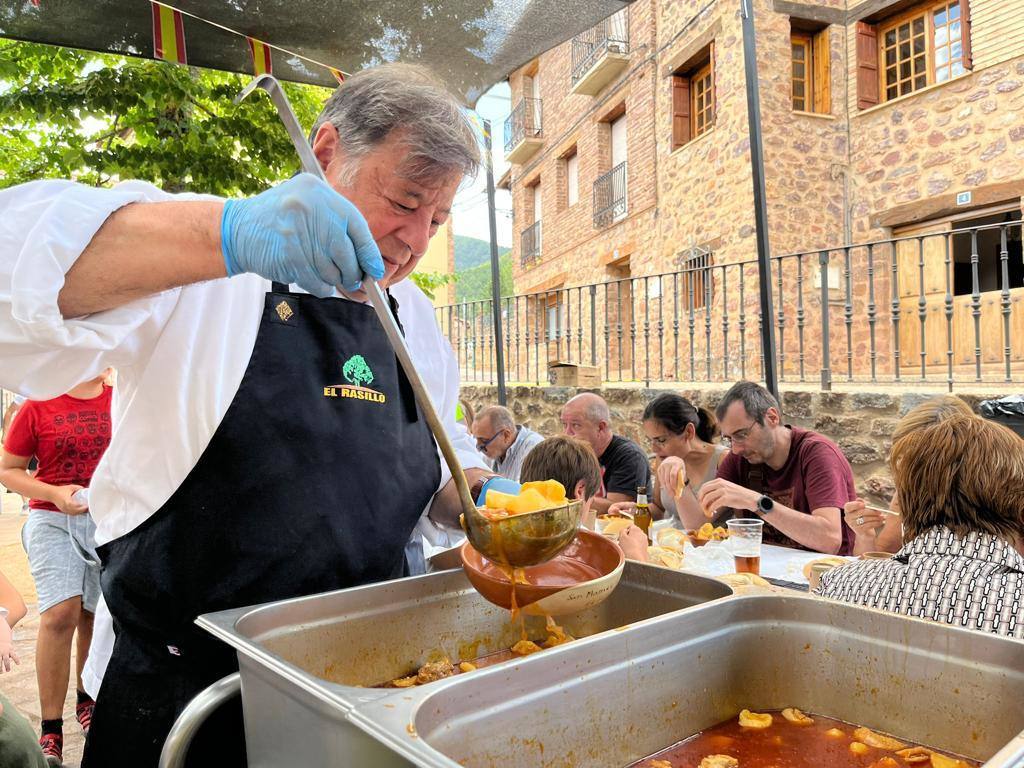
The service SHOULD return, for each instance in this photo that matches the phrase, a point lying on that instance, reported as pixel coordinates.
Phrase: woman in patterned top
(960, 487)
(875, 531)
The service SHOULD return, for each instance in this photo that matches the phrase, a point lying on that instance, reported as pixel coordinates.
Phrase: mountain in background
(472, 251)
(473, 269)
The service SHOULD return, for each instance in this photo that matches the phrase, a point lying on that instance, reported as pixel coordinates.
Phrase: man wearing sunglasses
(504, 442)
(794, 479)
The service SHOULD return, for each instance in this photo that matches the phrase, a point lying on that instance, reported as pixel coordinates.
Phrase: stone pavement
(20, 685)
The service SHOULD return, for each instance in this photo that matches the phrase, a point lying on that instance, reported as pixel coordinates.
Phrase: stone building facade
(880, 119)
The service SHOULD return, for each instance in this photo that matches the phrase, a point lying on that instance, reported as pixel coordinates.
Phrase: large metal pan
(305, 663)
(614, 699)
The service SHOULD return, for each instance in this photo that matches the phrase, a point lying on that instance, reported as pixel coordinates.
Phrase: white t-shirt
(180, 354)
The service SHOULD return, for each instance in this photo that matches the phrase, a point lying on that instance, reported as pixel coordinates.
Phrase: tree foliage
(356, 371)
(99, 118)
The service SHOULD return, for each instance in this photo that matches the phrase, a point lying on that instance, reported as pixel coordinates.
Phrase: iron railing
(610, 202)
(530, 245)
(944, 309)
(523, 123)
(610, 36)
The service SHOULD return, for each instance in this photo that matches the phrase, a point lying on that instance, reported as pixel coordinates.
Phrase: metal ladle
(517, 541)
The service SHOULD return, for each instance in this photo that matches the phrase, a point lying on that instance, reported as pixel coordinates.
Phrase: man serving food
(260, 408)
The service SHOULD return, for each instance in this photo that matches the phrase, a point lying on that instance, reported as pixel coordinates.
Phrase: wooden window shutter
(714, 98)
(867, 65)
(680, 111)
(965, 31)
(822, 73)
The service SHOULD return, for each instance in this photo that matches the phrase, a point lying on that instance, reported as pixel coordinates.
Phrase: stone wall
(860, 422)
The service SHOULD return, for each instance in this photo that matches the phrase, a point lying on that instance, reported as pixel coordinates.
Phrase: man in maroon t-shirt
(68, 435)
(794, 479)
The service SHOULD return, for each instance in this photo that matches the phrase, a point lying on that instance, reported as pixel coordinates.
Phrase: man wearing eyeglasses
(794, 479)
(504, 442)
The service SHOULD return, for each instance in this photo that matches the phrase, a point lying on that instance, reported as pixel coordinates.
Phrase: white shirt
(180, 354)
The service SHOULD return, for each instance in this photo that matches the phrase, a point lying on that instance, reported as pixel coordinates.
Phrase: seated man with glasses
(501, 440)
(794, 479)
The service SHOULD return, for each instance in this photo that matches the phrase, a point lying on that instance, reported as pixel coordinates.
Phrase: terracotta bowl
(582, 575)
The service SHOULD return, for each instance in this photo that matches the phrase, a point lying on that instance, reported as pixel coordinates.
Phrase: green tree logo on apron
(357, 372)
(359, 376)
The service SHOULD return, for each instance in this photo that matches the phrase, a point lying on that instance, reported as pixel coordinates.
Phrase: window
(702, 101)
(810, 72)
(572, 178)
(697, 282)
(929, 44)
(693, 99)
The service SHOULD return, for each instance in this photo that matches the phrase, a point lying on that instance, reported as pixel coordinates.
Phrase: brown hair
(963, 472)
(930, 412)
(566, 460)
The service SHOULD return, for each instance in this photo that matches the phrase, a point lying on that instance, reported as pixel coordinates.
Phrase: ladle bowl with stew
(579, 577)
(525, 539)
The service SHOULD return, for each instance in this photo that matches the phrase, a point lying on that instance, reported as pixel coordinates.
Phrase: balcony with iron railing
(600, 54)
(610, 203)
(523, 131)
(529, 245)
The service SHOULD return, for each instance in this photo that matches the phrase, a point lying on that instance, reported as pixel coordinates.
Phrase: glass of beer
(745, 542)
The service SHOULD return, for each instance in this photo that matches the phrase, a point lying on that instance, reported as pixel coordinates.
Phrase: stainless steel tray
(619, 697)
(305, 663)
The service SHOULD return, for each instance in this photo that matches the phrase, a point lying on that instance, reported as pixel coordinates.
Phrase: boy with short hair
(572, 463)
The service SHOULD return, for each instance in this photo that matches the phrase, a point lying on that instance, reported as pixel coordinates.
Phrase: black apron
(313, 481)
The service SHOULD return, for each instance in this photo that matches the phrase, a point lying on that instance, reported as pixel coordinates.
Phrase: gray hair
(756, 400)
(375, 102)
(498, 417)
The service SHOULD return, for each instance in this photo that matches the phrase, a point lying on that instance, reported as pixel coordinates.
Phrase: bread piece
(744, 580)
(616, 525)
(667, 558)
(672, 538)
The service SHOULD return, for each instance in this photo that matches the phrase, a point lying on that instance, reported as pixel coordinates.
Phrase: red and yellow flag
(168, 34)
(338, 75)
(262, 64)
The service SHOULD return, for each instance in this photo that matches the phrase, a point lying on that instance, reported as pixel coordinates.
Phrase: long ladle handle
(310, 164)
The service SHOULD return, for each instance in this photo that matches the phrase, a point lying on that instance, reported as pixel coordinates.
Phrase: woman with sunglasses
(685, 441)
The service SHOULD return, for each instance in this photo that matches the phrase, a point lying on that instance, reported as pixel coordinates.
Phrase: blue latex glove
(497, 483)
(300, 232)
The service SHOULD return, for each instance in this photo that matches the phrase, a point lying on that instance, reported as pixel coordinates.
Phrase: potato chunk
(859, 749)
(465, 666)
(942, 761)
(525, 648)
(915, 755)
(719, 761)
(885, 762)
(435, 670)
(873, 739)
(750, 719)
(796, 717)
(835, 733)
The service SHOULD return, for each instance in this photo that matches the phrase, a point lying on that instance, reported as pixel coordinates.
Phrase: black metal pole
(499, 357)
(764, 267)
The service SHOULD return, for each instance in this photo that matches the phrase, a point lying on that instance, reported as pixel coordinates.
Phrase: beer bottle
(642, 517)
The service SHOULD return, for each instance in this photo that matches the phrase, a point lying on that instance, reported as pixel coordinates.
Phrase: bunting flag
(262, 64)
(338, 75)
(168, 34)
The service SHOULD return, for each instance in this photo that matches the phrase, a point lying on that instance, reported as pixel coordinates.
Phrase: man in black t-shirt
(624, 466)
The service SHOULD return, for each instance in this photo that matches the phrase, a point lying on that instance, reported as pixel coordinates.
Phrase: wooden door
(922, 277)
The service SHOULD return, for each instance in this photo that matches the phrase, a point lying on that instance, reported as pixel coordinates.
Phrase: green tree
(99, 118)
(429, 282)
(357, 372)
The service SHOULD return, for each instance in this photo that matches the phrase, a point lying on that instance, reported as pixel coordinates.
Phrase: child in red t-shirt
(68, 435)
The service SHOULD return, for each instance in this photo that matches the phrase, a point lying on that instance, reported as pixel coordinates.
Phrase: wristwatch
(764, 505)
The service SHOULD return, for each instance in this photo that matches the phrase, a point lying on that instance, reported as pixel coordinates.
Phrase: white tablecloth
(715, 559)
